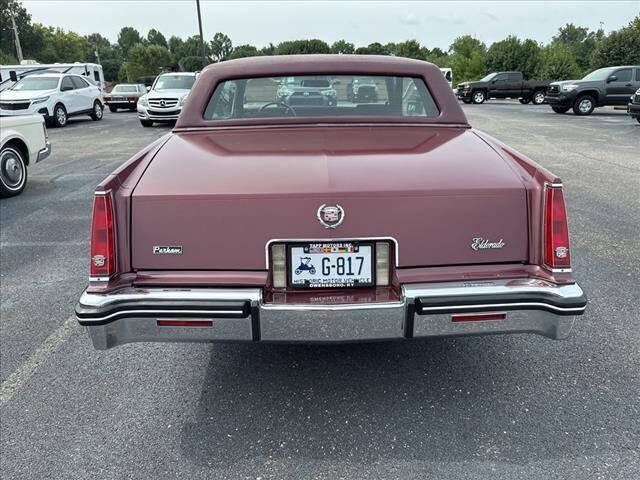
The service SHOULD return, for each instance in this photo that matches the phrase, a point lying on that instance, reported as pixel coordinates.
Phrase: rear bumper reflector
(478, 318)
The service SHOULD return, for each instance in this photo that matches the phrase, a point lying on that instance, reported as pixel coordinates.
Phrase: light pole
(204, 57)
(16, 37)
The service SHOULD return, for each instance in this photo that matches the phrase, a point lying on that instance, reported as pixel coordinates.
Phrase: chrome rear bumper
(239, 314)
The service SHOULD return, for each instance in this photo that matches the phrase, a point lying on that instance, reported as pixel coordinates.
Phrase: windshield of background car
(321, 96)
(36, 83)
(178, 82)
(126, 89)
(488, 77)
(601, 74)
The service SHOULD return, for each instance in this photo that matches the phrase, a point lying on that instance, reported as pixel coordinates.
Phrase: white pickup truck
(23, 141)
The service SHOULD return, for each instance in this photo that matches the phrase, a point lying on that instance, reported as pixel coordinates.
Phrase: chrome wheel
(538, 98)
(12, 170)
(585, 106)
(478, 97)
(97, 110)
(61, 116)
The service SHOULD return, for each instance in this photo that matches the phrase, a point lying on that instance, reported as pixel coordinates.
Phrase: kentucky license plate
(331, 265)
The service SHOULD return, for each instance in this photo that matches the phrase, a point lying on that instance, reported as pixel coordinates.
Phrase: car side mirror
(66, 88)
(612, 78)
(13, 76)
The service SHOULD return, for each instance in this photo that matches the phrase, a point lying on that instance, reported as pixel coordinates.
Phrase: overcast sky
(434, 24)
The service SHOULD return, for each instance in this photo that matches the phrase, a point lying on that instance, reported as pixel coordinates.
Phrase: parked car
(56, 96)
(609, 86)
(362, 90)
(448, 74)
(307, 91)
(503, 85)
(633, 107)
(254, 221)
(164, 102)
(23, 142)
(124, 95)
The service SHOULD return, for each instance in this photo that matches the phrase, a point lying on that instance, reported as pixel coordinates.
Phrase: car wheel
(638, 119)
(560, 109)
(146, 123)
(60, 116)
(538, 97)
(478, 97)
(524, 101)
(584, 105)
(13, 172)
(97, 111)
(113, 109)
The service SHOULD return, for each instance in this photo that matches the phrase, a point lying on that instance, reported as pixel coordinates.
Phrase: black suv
(602, 87)
(503, 85)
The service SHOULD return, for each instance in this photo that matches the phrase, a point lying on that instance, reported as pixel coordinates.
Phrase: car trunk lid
(443, 194)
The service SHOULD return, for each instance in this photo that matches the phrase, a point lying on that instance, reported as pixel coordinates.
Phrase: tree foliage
(221, 47)
(145, 59)
(571, 53)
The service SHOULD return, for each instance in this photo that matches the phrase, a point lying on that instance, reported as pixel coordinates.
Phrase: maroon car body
(194, 238)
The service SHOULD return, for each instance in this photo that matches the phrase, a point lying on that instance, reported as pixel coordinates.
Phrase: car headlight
(284, 92)
(39, 100)
(329, 93)
(569, 88)
(183, 100)
(142, 101)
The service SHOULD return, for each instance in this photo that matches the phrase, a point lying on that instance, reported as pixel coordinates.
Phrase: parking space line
(23, 374)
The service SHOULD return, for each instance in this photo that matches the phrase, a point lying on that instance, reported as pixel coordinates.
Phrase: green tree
(192, 64)
(147, 60)
(580, 42)
(127, 38)
(154, 37)
(511, 54)
(467, 46)
(23, 24)
(411, 49)
(7, 59)
(268, 50)
(620, 47)
(294, 47)
(242, 51)
(175, 44)
(467, 58)
(60, 45)
(221, 47)
(558, 63)
(342, 46)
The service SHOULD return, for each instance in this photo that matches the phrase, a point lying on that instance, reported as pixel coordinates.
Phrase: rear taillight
(556, 231)
(103, 253)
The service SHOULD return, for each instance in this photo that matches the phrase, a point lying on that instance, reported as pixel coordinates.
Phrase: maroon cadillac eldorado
(255, 220)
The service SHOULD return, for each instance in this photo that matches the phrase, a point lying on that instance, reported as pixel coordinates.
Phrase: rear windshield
(36, 83)
(321, 95)
(125, 88)
(179, 82)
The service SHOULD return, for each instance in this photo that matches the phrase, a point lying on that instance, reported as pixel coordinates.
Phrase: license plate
(331, 265)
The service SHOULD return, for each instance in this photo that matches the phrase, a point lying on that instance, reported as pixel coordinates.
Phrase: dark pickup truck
(503, 85)
(608, 86)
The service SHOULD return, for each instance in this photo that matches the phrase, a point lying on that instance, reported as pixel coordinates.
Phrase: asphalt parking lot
(502, 407)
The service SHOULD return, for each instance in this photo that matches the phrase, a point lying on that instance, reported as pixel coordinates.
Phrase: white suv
(164, 101)
(56, 96)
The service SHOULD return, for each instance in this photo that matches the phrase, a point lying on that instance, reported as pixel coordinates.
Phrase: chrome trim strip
(133, 313)
(335, 308)
(99, 279)
(97, 300)
(352, 239)
(490, 287)
(45, 152)
(479, 307)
